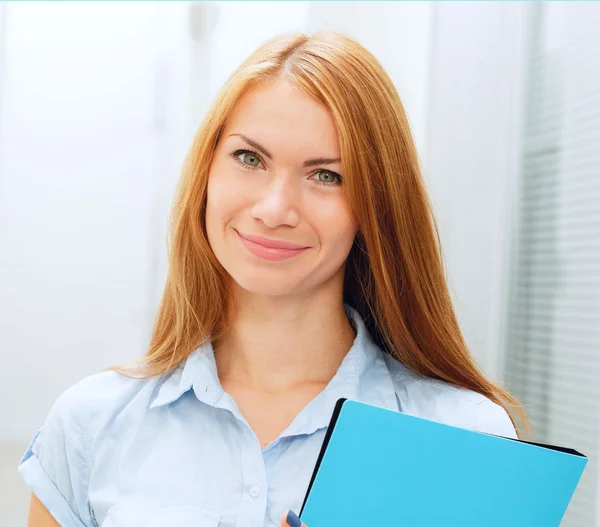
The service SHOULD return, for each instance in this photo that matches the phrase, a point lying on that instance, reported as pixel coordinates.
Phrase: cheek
(344, 240)
(339, 232)
(221, 203)
(217, 210)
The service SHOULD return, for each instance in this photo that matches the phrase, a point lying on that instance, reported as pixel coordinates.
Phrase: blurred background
(99, 103)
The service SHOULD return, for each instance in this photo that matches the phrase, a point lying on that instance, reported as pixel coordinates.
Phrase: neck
(275, 344)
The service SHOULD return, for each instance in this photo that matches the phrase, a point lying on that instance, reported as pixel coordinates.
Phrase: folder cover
(379, 467)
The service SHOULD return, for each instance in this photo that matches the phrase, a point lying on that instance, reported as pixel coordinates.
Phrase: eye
(333, 178)
(246, 158)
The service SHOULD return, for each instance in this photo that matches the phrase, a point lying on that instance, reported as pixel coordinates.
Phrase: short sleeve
(55, 465)
(494, 419)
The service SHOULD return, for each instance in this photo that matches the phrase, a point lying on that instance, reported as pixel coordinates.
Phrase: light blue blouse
(176, 451)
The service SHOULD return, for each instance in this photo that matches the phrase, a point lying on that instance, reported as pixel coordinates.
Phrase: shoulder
(57, 463)
(446, 403)
(86, 406)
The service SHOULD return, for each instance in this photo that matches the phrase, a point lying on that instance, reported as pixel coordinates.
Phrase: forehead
(279, 114)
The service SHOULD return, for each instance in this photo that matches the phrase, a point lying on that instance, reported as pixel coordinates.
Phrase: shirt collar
(362, 376)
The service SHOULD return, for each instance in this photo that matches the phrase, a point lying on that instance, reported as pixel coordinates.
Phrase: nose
(279, 203)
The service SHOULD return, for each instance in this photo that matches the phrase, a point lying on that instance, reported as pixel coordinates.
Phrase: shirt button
(254, 492)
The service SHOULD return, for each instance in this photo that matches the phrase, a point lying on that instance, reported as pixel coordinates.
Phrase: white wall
(473, 166)
(243, 26)
(79, 160)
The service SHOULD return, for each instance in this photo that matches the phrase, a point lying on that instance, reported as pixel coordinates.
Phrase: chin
(268, 283)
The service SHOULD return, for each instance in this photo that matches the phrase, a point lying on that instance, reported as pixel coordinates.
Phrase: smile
(269, 253)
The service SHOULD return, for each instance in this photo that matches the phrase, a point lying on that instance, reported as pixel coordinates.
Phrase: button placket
(254, 491)
(254, 502)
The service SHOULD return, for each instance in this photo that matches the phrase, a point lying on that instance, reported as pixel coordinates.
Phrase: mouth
(269, 253)
(270, 242)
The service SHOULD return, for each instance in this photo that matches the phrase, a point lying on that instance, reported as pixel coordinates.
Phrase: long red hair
(394, 273)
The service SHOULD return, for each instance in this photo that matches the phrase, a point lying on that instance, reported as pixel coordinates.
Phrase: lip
(270, 253)
(271, 244)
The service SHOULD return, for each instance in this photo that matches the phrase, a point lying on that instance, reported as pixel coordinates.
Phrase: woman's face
(276, 174)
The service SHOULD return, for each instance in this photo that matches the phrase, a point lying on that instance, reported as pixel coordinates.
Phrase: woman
(304, 267)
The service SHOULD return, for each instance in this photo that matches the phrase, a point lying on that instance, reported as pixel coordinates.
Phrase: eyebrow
(308, 163)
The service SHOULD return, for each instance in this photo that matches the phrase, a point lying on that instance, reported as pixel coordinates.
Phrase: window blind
(553, 331)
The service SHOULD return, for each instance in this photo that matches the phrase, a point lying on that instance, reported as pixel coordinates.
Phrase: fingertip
(292, 519)
(283, 521)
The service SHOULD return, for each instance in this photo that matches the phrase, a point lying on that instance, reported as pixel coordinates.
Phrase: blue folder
(378, 467)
